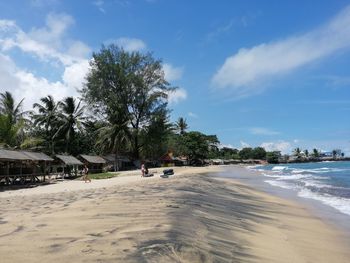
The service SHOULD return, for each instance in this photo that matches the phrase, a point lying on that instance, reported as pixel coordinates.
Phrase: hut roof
(37, 156)
(13, 155)
(166, 157)
(23, 156)
(69, 160)
(93, 158)
(111, 158)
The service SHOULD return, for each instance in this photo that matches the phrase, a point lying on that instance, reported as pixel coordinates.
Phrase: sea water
(326, 182)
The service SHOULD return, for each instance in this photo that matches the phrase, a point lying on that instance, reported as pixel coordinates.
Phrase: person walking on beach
(86, 174)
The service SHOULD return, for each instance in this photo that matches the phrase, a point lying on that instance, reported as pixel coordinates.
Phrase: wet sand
(191, 217)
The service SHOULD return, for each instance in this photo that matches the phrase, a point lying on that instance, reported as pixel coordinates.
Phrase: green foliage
(197, 145)
(181, 125)
(10, 133)
(259, 153)
(103, 175)
(131, 84)
(272, 157)
(246, 153)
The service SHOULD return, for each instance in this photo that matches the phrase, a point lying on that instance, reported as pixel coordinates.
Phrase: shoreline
(190, 217)
(329, 214)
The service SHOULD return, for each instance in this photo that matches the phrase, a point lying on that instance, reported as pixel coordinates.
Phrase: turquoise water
(326, 182)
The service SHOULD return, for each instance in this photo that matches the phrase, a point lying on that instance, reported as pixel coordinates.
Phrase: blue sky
(258, 73)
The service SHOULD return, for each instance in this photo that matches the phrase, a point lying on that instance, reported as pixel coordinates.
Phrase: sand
(190, 217)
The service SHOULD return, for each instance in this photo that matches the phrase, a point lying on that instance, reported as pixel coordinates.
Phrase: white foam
(279, 168)
(341, 204)
(280, 184)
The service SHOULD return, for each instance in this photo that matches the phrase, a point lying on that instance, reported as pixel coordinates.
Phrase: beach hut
(23, 166)
(94, 163)
(119, 162)
(66, 165)
(167, 160)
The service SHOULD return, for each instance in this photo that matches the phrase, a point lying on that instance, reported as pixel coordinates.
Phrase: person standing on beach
(143, 170)
(86, 174)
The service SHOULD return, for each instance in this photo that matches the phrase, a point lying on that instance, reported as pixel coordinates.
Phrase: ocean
(325, 182)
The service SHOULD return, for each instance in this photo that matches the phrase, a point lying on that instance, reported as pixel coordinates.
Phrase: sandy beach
(190, 217)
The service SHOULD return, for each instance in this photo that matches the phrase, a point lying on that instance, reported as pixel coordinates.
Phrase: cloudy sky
(256, 73)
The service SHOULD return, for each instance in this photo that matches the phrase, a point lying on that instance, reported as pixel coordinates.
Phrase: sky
(270, 73)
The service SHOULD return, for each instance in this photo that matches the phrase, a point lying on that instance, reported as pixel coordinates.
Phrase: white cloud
(176, 96)
(226, 146)
(50, 45)
(172, 73)
(46, 43)
(130, 44)
(193, 115)
(246, 72)
(244, 144)
(74, 75)
(262, 131)
(283, 146)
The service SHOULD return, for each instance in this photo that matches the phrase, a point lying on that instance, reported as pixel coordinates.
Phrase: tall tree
(12, 121)
(114, 135)
(47, 117)
(133, 82)
(70, 119)
(9, 107)
(10, 132)
(181, 125)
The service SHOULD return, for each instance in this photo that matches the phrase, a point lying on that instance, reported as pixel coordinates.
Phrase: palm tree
(306, 153)
(10, 132)
(48, 118)
(181, 125)
(315, 153)
(8, 107)
(70, 118)
(114, 135)
(297, 152)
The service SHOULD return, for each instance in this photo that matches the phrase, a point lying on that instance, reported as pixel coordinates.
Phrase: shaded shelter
(66, 165)
(95, 163)
(118, 162)
(23, 166)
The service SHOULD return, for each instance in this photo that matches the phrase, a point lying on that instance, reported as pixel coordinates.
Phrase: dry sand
(190, 217)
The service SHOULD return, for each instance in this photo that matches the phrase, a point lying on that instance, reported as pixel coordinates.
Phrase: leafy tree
(246, 153)
(272, 157)
(315, 153)
(181, 125)
(114, 135)
(155, 136)
(297, 152)
(133, 82)
(227, 153)
(197, 145)
(9, 107)
(70, 119)
(10, 132)
(259, 153)
(306, 153)
(48, 118)
(12, 122)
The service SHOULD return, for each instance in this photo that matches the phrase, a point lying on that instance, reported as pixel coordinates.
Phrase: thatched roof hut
(93, 159)
(21, 166)
(94, 163)
(68, 160)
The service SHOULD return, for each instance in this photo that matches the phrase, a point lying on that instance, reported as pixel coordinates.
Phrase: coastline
(191, 217)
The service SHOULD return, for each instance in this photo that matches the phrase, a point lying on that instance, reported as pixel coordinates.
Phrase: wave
(339, 203)
(280, 184)
(279, 168)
